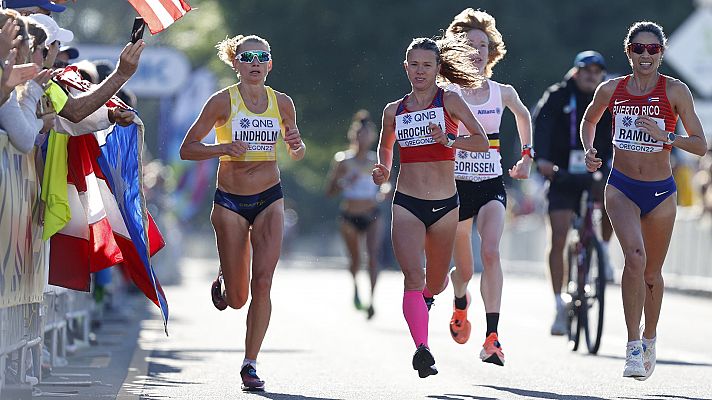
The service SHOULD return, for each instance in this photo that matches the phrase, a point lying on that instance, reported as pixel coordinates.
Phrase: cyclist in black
(560, 159)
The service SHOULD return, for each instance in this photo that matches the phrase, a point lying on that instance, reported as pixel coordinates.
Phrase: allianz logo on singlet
(490, 111)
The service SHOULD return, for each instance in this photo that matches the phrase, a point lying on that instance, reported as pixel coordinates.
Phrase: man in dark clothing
(560, 158)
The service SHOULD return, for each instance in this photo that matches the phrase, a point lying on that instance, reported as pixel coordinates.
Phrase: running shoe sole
(493, 359)
(423, 362)
(216, 294)
(253, 389)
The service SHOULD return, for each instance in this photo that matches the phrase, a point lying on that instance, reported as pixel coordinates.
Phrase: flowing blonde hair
(470, 19)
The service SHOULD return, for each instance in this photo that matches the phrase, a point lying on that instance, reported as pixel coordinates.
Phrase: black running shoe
(429, 301)
(370, 311)
(216, 293)
(423, 362)
(250, 381)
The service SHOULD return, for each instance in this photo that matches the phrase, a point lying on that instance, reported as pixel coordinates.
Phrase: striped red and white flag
(159, 14)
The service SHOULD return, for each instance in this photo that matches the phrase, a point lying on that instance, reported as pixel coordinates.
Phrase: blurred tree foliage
(335, 57)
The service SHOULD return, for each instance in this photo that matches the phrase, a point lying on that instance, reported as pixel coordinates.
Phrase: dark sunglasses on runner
(249, 56)
(639, 48)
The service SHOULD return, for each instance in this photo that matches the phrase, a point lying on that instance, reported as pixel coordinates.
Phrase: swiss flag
(159, 14)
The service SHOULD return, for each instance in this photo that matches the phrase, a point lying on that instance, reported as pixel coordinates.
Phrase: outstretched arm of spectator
(81, 106)
(21, 131)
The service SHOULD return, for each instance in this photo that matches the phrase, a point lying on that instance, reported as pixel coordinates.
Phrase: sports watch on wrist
(528, 150)
(670, 137)
(450, 139)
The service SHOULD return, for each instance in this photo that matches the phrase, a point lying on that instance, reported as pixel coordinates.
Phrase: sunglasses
(249, 56)
(639, 48)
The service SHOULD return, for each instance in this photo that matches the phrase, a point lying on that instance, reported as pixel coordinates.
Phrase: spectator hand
(8, 34)
(129, 58)
(120, 116)
(43, 78)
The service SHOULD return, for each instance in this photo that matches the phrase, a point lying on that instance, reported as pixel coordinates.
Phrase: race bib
(577, 162)
(260, 133)
(627, 136)
(477, 166)
(412, 128)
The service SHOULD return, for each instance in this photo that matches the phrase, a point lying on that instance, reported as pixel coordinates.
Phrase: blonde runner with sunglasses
(248, 215)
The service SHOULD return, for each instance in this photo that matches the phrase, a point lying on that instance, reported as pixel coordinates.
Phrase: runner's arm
(695, 142)
(382, 170)
(292, 137)
(591, 116)
(511, 100)
(477, 141)
(213, 113)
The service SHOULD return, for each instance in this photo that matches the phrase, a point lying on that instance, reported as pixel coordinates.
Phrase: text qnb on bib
(412, 128)
(477, 166)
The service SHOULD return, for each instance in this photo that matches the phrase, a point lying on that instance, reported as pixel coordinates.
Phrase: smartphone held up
(137, 31)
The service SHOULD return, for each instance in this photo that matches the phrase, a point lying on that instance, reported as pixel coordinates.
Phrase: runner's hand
(521, 169)
(293, 138)
(234, 149)
(593, 163)
(437, 133)
(647, 125)
(380, 174)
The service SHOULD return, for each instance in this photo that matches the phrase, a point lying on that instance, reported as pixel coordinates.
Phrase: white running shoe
(634, 360)
(560, 326)
(649, 356)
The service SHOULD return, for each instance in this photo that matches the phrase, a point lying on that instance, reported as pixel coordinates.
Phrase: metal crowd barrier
(20, 338)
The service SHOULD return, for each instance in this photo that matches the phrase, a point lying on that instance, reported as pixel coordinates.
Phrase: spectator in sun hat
(65, 55)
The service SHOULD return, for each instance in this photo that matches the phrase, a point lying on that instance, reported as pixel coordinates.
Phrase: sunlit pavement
(320, 347)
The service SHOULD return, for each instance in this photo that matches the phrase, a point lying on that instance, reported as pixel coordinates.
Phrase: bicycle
(586, 285)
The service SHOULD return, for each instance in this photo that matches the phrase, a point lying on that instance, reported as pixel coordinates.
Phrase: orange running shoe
(492, 350)
(459, 325)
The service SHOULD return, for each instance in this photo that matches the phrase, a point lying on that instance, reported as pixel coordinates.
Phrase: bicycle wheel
(593, 295)
(572, 288)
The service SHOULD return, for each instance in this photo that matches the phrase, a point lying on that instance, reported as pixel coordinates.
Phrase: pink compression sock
(416, 315)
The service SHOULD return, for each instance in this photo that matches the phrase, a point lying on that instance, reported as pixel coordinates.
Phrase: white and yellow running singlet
(259, 131)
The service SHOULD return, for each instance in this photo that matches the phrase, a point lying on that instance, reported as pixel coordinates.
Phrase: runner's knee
(489, 255)
(634, 259)
(261, 285)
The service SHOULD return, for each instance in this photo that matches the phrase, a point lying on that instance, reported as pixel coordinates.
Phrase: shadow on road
(449, 396)
(284, 396)
(533, 394)
(665, 397)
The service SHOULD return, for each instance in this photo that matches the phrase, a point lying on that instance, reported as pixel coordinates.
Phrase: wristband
(528, 150)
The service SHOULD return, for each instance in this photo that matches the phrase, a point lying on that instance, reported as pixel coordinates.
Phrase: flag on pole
(160, 14)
